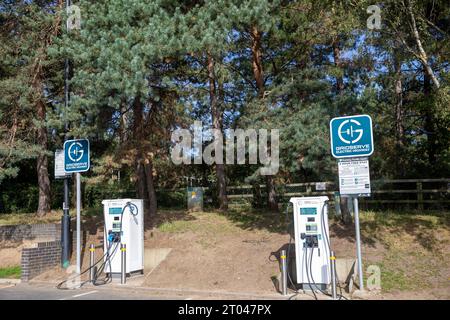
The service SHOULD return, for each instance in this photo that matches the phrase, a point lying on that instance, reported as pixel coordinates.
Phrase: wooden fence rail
(417, 192)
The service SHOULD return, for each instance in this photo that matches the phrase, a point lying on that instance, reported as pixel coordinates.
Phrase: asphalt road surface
(48, 291)
(23, 291)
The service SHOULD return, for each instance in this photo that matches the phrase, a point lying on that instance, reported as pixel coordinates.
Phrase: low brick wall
(41, 255)
(46, 251)
(39, 258)
(30, 232)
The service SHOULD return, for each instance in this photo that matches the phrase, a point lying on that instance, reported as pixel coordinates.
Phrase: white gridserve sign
(354, 177)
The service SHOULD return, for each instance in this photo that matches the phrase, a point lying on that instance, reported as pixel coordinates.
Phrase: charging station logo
(353, 135)
(76, 152)
(76, 155)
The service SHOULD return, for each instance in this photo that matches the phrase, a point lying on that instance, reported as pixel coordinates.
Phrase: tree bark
(148, 166)
(217, 122)
(346, 217)
(123, 123)
(42, 163)
(399, 127)
(337, 63)
(429, 125)
(399, 115)
(139, 160)
(258, 73)
(423, 57)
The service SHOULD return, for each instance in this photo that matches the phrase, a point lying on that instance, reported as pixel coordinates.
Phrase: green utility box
(195, 198)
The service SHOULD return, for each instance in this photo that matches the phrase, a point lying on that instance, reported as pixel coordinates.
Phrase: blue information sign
(351, 136)
(76, 155)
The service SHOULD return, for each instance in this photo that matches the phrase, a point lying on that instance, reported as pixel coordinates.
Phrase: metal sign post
(358, 244)
(352, 139)
(65, 219)
(77, 159)
(78, 178)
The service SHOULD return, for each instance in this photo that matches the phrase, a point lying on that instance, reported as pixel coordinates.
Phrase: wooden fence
(421, 194)
(417, 193)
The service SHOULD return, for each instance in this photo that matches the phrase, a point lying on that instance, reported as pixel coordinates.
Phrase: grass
(415, 257)
(53, 217)
(10, 272)
(202, 223)
(412, 244)
(29, 218)
(412, 254)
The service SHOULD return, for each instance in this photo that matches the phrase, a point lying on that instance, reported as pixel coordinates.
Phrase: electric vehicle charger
(329, 251)
(309, 265)
(294, 287)
(96, 281)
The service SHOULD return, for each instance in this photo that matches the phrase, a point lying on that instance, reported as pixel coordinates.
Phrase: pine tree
(30, 28)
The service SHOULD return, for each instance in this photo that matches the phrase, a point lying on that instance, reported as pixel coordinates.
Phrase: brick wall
(30, 232)
(46, 251)
(40, 257)
(49, 230)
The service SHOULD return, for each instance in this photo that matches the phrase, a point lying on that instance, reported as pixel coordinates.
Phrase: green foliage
(10, 272)
(155, 52)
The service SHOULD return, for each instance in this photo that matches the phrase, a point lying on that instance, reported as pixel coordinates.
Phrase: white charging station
(124, 224)
(312, 255)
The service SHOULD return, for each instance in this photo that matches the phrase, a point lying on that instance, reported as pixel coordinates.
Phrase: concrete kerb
(9, 281)
(212, 293)
(181, 292)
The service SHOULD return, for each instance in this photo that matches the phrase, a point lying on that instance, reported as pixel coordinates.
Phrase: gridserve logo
(351, 136)
(76, 155)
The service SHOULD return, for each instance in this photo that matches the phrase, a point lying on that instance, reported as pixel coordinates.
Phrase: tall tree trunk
(399, 125)
(423, 57)
(139, 161)
(42, 163)
(429, 125)
(123, 122)
(217, 122)
(337, 63)
(346, 216)
(148, 166)
(258, 73)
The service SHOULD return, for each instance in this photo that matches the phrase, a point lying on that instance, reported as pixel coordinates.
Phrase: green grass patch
(416, 245)
(29, 218)
(202, 223)
(10, 272)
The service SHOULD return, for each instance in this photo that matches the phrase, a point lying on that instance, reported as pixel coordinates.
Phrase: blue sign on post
(76, 155)
(351, 136)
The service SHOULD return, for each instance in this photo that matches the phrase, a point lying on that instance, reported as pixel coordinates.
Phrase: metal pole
(65, 220)
(333, 275)
(78, 175)
(283, 273)
(91, 262)
(358, 244)
(65, 227)
(123, 273)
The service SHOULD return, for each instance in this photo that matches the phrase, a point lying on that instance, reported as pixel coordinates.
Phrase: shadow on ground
(373, 230)
(274, 222)
(422, 227)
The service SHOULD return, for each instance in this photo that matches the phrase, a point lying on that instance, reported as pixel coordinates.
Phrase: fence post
(419, 196)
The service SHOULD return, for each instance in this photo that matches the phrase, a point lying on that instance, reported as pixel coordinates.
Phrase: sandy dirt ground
(216, 254)
(240, 262)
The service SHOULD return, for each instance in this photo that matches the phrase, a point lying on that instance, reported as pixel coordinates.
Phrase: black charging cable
(106, 255)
